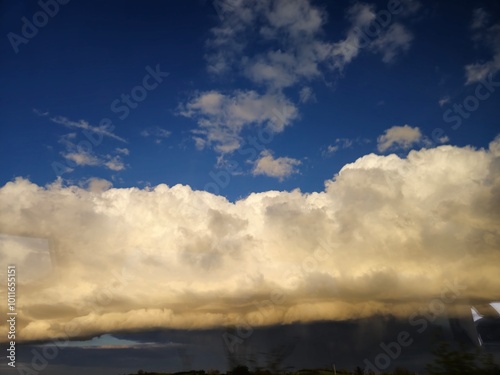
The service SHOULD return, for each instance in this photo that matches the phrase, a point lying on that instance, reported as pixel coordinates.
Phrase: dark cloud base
(287, 347)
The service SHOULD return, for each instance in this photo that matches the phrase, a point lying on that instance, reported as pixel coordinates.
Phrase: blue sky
(276, 163)
(79, 72)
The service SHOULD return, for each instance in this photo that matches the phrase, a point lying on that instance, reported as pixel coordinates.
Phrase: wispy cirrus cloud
(156, 132)
(104, 130)
(81, 155)
(40, 113)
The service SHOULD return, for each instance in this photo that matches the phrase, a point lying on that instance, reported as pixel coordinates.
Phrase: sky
(173, 169)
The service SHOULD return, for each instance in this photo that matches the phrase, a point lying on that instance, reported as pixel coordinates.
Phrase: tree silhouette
(461, 362)
(241, 370)
(402, 371)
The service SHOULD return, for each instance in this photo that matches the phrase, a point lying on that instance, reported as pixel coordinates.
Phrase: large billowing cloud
(385, 236)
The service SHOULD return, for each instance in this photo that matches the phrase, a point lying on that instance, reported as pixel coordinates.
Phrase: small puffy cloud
(40, 113)
(444, 139)
(97, 185)
(344, 51)
(340, 143)
(156, 132)
(82, 158)
(297, 18)
(306, 95)
(399, 137)
(479, 71)
(391, 43)
(114, 163)
(344, 142)
(331, 149)
(280, 168)
(410, 7)
(199, 143)
(221, 118)
(384, 235)
(274, 69)
(76, 155)
(480, 19)
(444, 100)
(123, 151)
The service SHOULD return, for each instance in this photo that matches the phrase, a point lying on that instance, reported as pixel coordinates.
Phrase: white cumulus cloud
(399, 137)
(280, 167)
(221, 118)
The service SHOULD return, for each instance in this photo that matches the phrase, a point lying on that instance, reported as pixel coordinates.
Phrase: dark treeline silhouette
(460, 361)
(447, 361)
